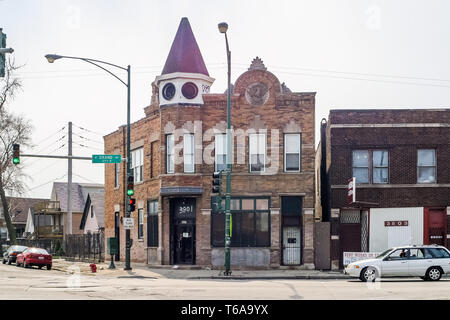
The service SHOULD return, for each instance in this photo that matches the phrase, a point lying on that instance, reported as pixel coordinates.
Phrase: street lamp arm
(97, 65)
(94, 60)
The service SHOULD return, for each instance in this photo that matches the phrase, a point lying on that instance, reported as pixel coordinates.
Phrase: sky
(354, 54)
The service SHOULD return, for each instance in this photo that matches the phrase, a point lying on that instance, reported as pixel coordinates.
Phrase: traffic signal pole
(127, 209)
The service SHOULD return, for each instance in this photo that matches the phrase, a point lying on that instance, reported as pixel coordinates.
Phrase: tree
(13, 129)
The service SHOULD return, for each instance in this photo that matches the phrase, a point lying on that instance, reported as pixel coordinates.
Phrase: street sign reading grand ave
(106, 158)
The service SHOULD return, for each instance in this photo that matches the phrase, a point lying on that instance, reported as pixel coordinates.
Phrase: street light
(223, 27)
(51, 58)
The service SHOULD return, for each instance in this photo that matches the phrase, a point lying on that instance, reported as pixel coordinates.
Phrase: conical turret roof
(184, 55)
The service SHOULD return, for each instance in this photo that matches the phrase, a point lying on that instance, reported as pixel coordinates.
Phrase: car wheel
(434, 274)
(369, 274)
(4, 261)
(49, 267)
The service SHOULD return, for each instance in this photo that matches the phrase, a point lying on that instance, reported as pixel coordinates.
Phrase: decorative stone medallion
(257, 93)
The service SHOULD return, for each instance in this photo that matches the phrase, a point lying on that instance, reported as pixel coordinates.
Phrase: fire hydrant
(93, 267)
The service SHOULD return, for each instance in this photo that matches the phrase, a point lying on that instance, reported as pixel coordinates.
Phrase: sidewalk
(141, 270)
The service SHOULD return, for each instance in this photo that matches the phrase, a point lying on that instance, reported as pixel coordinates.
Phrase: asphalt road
(21, 283)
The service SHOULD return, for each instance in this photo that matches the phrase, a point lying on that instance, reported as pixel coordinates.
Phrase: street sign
(351, 190)
(128, 223)
(106, 158)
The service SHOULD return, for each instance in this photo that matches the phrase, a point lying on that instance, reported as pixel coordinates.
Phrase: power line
(100, 134)
(49, 137)
(84, 178)
(53, 180)
(96, 141)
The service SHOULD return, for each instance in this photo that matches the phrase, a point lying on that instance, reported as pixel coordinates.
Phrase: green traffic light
(130, 192)
(16, 160)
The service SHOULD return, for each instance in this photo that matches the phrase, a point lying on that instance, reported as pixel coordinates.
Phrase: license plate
(41, 258)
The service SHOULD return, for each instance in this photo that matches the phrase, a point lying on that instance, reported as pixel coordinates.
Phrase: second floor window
(292, 143)
(371, 166)
(170, 161)
(361, 166)
(426, 166)
(380, 166)
(137, 163)
(257, 152)
(188, 153)
(116, 175)
(220, 150)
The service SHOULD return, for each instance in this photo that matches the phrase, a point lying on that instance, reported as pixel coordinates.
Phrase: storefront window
(250, 225)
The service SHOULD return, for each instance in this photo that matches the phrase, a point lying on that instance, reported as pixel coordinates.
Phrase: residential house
(93, 219)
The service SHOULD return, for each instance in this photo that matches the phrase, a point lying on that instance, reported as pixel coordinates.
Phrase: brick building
(401, 162)
(180, 142)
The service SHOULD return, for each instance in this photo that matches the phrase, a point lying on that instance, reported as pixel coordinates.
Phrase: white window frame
(379, 167)
(137, 164)
(170, 160)
(217, 151)
(188, 152)
(299, 153)
(250, 151)
(360, 167)
(434, 166)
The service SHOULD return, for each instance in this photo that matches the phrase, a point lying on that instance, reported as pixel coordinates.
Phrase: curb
(305, 277)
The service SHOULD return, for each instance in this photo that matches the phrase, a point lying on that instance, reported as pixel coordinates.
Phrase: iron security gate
(291, 246)
(291, 211)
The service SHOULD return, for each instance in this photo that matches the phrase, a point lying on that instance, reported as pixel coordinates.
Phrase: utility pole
(69, 182)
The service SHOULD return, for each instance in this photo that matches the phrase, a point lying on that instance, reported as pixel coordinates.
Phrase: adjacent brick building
(401, 162)
(179, 144)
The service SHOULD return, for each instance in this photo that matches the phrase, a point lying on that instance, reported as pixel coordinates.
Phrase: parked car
(11, 253)
(34, 257)
(428, 262)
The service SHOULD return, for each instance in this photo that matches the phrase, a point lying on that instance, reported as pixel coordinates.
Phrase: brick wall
(282, 111)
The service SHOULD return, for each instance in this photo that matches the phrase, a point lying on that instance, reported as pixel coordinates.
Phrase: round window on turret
(189, 90)
(168, 91)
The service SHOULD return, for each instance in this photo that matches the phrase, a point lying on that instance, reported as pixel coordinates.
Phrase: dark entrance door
(291, 211)
(117, 233)
(437, 226)
(183, 230)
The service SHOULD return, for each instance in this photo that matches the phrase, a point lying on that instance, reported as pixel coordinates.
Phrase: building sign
(350, 257)
(396, 223)
(351, 190)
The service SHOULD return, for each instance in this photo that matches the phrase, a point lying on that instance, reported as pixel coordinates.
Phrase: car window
(417, 253)
(37, 250)
(381, 255)
(437, 253)
(400, 254)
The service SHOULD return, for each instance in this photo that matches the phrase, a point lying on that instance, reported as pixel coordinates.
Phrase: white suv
(428, 262)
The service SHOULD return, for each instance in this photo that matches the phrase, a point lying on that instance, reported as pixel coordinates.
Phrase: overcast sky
(354, 54)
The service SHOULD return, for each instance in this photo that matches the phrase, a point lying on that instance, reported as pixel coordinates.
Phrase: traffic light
(217, 188)
(131, 204)
(130, 186)
(16, 153)
(2, 55)
(217, 182)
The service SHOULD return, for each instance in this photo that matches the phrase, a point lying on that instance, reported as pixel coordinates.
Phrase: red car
(34, 257)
